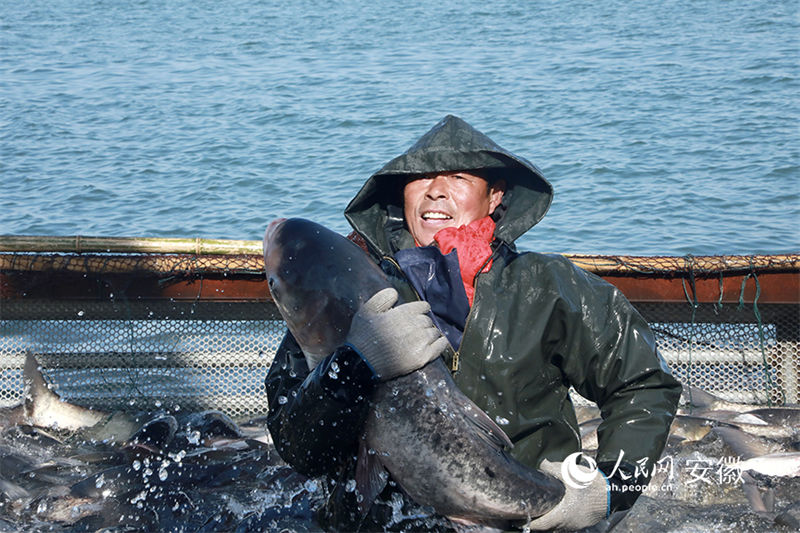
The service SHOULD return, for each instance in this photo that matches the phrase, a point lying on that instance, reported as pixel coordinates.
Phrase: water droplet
(81, 313)
(282, 400)
(177, 457)
(350, 486)
(310, 485)
(100, 481)
(502, 421)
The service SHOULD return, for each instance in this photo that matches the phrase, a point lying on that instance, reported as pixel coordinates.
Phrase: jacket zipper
(454, 362)
(397, 266)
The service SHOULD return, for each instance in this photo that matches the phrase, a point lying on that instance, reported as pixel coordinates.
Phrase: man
(524, 327)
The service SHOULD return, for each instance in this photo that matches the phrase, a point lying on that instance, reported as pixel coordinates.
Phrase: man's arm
(315, 417)
(609, 356)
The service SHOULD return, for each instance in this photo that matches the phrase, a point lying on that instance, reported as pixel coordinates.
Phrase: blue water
(665, 128)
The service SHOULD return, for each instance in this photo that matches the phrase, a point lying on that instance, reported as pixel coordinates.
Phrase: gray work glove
(580, 507)
(395, 340)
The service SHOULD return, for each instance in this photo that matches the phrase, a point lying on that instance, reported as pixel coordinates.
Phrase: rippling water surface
(665, 129)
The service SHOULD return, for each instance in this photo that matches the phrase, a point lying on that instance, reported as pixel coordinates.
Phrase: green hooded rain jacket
(537, 326)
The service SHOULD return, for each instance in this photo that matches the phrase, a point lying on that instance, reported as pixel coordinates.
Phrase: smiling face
(447, 199)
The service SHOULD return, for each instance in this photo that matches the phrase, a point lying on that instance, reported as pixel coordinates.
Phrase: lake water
(666, 128)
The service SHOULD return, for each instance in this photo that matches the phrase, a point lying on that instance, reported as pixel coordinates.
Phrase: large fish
(436, 444)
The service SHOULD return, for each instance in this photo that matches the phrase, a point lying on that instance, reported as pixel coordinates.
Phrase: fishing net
(197, 331)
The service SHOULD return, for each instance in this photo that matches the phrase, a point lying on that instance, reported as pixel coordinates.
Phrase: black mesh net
(186, 331)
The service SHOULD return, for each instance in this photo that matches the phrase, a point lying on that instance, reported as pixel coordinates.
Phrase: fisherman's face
(448, 199)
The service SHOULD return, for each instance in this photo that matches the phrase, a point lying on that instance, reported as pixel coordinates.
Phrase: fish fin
(742, 443)
(12, 490)
(34, 381)
(761, 501)
(371, 477)
(157, 432)
(485, 427)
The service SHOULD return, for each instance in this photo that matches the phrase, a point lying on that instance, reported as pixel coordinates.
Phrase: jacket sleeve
(610, 357)
(315, 417)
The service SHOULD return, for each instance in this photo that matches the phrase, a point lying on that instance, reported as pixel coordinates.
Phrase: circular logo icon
(575, 475)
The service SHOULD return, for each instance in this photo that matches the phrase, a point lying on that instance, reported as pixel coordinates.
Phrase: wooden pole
(79, 244)
(599, 264)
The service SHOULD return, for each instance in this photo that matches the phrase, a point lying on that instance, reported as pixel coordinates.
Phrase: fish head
(318, 279)
(288, 265)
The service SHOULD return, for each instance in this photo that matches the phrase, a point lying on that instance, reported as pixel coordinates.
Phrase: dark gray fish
(156, 433)
(97, 471)
(437, 444)
(210, 424)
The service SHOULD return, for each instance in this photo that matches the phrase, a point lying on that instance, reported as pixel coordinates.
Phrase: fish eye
(273, 287)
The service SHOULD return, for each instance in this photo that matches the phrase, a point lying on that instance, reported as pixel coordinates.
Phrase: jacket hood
(376, 212)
